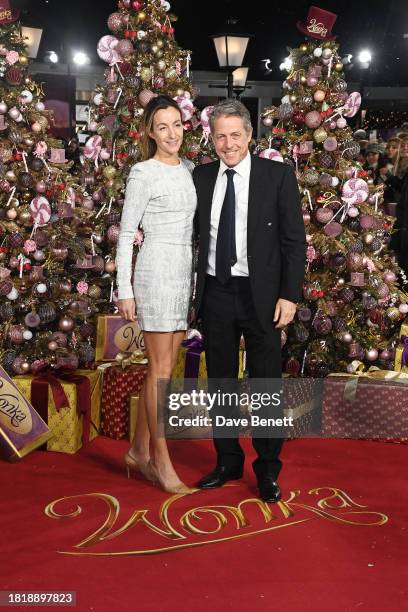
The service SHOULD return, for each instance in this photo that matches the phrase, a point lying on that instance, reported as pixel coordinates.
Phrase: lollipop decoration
(352, 104)
(272, 154)
(40, 210)
(186, 106)
(93, 147)
(107, 51)
(355, 191)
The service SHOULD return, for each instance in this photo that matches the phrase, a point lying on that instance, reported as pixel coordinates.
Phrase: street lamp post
(230, 49)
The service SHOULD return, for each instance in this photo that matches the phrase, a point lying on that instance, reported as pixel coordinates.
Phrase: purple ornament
(333, 229)
(330, 144)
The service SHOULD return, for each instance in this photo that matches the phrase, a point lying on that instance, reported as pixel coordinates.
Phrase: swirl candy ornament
(355, 191)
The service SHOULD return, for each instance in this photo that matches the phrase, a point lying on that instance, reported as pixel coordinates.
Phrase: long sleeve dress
(161, 199)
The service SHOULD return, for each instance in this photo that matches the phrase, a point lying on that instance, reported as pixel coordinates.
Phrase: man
(250, 274)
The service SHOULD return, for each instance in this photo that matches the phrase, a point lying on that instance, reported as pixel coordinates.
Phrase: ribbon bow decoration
(135, 358)
(404, 357)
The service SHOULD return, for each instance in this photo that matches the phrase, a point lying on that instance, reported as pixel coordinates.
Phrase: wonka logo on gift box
(116, 335)
(14, 411)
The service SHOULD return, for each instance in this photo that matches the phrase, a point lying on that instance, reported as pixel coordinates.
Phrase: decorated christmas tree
(43, 307)
(143, 60)
(352, 304)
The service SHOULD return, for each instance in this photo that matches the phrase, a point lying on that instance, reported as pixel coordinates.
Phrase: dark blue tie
(226, 251)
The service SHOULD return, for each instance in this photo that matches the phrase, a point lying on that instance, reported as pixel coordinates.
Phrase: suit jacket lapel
(254, 182)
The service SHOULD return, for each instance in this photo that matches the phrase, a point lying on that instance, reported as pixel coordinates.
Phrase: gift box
(302, 402)
(366, 406)
(69, 403)
(119, 383)
(21, 428)
(191, 360)
(115, 335)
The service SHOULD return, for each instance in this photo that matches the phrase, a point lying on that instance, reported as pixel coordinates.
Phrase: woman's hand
(127, 309)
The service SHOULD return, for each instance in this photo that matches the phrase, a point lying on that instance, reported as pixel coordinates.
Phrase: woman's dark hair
(148, 146)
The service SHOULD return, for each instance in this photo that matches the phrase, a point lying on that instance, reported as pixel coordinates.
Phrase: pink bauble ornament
(3, 108)
(330, 144)
(110, 267)
(313, 119)
(82, 287)
(319, 95)
(403, 308)
(323, 215)
(389, 276)
(40, 107)
(312, 81)
(112, 234)
(341, 123)
(333, 229)
(145, 96)
(36, 127)
(371, 354)
(92, 126)
(41, 187)
(267, 121)
(66, 324)
(14, 113)
(125, 47)
(115, 22)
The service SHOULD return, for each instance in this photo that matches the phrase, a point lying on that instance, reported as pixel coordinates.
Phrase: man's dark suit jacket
(276, 244)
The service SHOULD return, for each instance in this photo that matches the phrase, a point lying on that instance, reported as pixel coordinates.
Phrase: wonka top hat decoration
(318, 24)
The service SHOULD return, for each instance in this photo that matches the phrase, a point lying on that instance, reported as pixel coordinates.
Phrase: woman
(160, 199)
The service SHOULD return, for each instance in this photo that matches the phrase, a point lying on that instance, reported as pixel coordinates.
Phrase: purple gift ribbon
(194, 348)
(404, 357)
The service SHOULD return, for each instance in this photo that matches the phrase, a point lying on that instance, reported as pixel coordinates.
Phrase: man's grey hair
(231, 108)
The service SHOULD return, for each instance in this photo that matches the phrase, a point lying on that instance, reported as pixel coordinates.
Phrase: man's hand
(127, 309)
(284, 312)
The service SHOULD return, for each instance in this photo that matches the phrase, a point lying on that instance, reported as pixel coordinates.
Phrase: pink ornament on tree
(40, 210)
(106, 49)
(82, 287)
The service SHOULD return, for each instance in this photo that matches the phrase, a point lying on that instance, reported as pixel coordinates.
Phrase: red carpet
(315, 553)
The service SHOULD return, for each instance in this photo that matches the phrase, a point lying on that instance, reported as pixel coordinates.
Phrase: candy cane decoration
(13, 191)
(35, 226)
(114, 150)
(21, 259)
(93, 244)
(109, 206)
(188, 60)
(120, 90)
(101, 210)
(330, 66)
(24, 154)
(307, 192)
(111, 292)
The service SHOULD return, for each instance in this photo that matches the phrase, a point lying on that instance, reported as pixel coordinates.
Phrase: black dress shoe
(269, 490)
(218, 477)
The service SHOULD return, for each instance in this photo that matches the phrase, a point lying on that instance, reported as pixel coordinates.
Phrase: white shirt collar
(243, 168)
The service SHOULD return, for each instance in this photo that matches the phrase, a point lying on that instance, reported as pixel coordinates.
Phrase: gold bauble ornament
(10, 176)
(161, 65)
(94, 292)
(170, 73)
(338, 67)
(154, 48)
(24, 217)
(393, 313)
(145, 74)
(293, 98)
(326, 45)
(43, 121)
(23, 60)
(320, 134)
(160, 43)
(141, 17)
(368, 238)
(159, 54)
(303, 80)
(109, 172)
(303, 47)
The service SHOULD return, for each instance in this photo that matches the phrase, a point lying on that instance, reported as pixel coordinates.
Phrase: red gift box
(117, 387)
(365, 408)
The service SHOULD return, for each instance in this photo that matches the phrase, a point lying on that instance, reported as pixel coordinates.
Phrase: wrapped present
(21, 427)
(366, 405)
(401, 353)
(69, 403)
(191, 360)
(118, 385)
(116, 335)
(302, 401)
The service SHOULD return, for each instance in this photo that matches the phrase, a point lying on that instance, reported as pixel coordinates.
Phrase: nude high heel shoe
(181, 489)
(133, 465)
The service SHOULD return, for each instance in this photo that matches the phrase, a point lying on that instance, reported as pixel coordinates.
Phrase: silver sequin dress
(161, 199)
